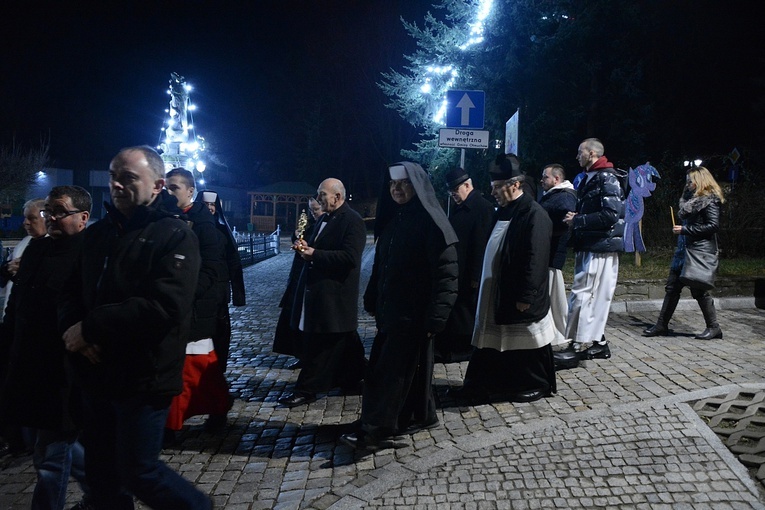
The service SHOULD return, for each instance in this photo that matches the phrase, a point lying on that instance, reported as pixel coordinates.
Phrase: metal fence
(256, 247)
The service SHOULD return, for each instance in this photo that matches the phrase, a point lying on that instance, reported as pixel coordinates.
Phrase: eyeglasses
(57, 215)
(399, 183)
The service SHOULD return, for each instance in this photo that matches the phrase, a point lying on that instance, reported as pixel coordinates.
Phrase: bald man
(326, 299)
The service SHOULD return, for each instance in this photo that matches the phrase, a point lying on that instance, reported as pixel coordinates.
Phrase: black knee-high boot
(661, 327)
(712, 331)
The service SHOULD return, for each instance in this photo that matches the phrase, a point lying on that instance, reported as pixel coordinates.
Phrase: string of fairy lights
(179, 145)
(437, 79)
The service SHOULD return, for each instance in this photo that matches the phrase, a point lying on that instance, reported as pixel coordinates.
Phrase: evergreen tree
(573, 69)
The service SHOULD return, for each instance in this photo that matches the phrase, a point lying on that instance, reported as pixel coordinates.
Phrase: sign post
(465, 115)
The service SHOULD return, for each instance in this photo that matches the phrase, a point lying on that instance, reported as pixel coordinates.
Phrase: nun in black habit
(236, 291)
(411, 292)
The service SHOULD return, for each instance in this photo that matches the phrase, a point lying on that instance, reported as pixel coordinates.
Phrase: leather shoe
(361, 441)
(295, 365)
(468, 392)
(596, 351)
(297, 399)
(566, 358)
(711, 334)
(529, 395)
(656, 330)
(417, 427)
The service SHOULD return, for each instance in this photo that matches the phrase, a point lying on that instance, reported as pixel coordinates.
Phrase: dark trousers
(330, 360)
(123, 440)
(56, 456)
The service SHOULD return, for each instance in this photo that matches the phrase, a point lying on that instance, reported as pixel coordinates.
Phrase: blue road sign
(465, 108)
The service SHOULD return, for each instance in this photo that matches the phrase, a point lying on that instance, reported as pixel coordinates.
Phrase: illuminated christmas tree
(179, 144)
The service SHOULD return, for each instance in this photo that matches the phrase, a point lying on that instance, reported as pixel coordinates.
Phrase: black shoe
(82, 505)
(710, 334)
(294, 365)
(297, 399)
(656, 330)
(438, 357)
(215, 423)
(417, 427)
(468, 392)
(529, 395)
(565, 359)
(356, 388)
(361, 441)
(596, 351)
(169, 438)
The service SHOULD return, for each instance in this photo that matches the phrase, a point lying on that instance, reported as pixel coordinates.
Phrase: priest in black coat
(472, 218)
(326, 299)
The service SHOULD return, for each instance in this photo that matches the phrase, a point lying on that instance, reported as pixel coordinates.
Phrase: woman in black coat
(700, 214)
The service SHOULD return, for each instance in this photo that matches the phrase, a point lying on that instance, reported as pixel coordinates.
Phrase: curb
(654, 305)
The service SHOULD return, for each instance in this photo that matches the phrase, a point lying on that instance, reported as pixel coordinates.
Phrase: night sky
(92, 77)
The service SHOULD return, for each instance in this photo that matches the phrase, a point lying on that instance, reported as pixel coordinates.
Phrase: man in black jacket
(38, 392)
(597, 234)
(472, 218)
(326, 299)
(205, 390)
(558, 199)
(513, 358)
(125, 315)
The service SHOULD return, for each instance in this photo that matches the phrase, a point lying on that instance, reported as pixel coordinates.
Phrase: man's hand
(569, 218)
(13, 266)
(522, 307)
(307, 253)
(75, 342)
(303, 249)
(73, 339)
(677, 229)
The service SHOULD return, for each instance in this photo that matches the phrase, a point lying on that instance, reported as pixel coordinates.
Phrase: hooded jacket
(557, 201)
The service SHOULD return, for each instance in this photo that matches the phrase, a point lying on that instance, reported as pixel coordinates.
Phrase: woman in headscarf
(410, 293)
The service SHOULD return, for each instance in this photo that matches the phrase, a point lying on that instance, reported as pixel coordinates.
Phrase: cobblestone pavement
(620, 433)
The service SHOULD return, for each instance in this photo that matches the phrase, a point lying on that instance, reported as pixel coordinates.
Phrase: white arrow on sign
(465, 105)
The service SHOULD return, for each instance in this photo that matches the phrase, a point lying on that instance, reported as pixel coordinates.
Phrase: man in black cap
(410, 294)
(513, 359)
(471, 219)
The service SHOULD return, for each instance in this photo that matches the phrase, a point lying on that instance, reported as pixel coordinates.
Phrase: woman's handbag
(699, 268)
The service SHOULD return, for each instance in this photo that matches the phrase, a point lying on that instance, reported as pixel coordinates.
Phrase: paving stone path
(620, 433)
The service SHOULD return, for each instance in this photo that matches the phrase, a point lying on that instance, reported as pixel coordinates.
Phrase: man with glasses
(513, 359)
(471, 218)
(38, 392)
(125, 316)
